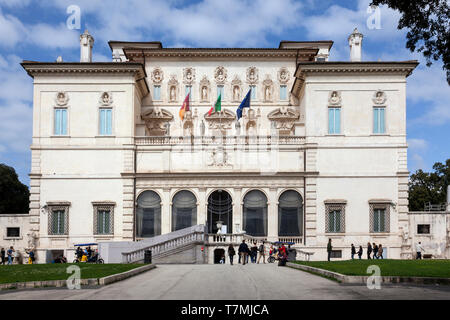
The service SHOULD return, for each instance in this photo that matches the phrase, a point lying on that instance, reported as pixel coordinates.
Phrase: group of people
(8, 256)
(255, 252)
(86, 254)
(372, 249)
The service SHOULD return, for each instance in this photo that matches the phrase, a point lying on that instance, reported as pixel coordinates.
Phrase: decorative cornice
(136, 69)
(34, 68)
(136, 54)
(404, 67)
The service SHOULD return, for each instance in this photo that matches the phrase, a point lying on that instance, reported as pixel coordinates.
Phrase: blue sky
(37, 30)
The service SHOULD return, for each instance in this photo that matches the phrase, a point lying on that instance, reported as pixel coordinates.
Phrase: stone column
(166, 212)
(237, 209)
(272, 215)
(201, 206)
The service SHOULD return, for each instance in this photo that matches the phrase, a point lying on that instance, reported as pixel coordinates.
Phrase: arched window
(184, 210)
(148, 215)
(255, 213)
(290, 214)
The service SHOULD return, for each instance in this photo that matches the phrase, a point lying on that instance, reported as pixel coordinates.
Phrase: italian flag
(217, 107)
(184, 107)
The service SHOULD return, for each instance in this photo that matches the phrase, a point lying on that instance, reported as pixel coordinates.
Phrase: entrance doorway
(219, 254)
(220, 208)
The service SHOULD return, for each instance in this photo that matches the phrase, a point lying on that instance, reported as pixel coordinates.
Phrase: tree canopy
(425, 187)
(14, 195)
(428, 22)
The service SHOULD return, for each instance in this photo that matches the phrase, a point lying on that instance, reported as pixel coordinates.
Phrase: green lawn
(405, 268)
(42, 272)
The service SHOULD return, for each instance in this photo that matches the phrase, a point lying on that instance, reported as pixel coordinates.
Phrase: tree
(430, 187)
(428, 22)
(14, 195)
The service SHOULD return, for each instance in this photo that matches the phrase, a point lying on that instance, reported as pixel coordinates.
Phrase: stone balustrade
(225, 140)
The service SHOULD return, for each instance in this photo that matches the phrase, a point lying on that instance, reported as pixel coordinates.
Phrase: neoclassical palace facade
(321, 153)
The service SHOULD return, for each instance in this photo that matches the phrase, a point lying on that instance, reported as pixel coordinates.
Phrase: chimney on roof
(59, 59)
(86, 44)
(355, 43)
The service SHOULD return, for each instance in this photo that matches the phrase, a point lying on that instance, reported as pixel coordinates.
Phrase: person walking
(3, 255)
(360, 252)
(231, 253)
(380, 251)
(375, 250)
(353, 251)
(262, 252)
(329, 249)
(254, 252)
(369, 250)
(243, 251)
(10, 255)
(419, 250)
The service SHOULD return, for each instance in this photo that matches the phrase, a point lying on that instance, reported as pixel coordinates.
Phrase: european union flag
(244, 104)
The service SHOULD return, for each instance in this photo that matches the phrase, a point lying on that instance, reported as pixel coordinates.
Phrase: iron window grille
(379, 217)
(58, 220)
(103, 219)
(335, 218)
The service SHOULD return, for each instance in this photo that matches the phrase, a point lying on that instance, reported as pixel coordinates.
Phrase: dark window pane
(423, 229)
(13, 232)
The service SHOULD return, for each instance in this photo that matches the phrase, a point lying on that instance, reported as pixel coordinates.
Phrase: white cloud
(11, 29)
(15, 106)
(14, 3)
(206, 23)
(417, 144)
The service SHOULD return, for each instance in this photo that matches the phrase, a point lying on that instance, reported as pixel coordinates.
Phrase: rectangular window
(58, 224)
(335, 217)
(103, 218)
(60, 122)
(156, 92)
(103, 221)
(187, 91)
(336, 254)
(220, 92)
(334, 222)
(334, 120)
(253, 94)
(423, 229)
(379, 120)
(105, 121)
(379, 220)
(283, 92)
(13, 232)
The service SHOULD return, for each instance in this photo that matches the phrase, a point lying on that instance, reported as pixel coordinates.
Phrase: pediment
(283, 114)
(157, 114)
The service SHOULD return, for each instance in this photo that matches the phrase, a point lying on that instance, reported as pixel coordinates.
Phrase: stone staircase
(181, 246)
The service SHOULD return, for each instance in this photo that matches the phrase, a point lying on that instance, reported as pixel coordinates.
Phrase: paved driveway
(224, 282)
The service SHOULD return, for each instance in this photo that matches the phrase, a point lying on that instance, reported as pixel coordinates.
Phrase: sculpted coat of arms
(157, 75)
(220, 74)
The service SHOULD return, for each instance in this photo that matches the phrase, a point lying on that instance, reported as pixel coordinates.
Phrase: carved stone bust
(157, 75)
(379, 97)
(252, 75)
(61, 99)
(335, 98)
(283, 75)
(220, 74)
(105, 99)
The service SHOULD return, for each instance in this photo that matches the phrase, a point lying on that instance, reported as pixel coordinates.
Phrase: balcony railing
(225, 140)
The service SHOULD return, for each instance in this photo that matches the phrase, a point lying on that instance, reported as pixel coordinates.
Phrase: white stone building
(320, 154)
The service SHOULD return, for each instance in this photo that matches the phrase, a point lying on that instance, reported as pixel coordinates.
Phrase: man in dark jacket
(369, 250)
(353, 251)
(243, 251)
(375, 250)
(3, 256)
(329, 249)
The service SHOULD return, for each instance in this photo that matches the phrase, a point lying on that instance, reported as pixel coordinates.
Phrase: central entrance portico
(220, 208)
